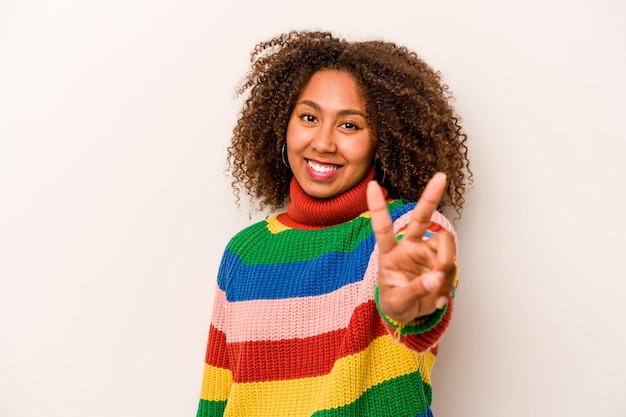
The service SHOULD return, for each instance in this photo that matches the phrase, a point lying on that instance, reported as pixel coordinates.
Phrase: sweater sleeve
(217, 378)
(425, 333)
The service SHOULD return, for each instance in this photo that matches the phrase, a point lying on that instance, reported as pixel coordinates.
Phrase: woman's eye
(309, 118)
(349, 126)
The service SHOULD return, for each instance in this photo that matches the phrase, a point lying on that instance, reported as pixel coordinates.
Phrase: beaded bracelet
(416, 326)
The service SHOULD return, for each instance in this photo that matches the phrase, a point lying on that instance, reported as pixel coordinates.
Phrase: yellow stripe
(274, 226)
(426, 363)
(383, 360)
(216, 383)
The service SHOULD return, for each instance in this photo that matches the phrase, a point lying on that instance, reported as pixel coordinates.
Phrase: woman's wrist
(415, 326)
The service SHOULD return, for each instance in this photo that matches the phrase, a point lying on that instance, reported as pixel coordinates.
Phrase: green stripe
(406, 396)
(256, 245)
(208, 408)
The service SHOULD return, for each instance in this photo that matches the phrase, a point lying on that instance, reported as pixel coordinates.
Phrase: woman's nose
(324, 140)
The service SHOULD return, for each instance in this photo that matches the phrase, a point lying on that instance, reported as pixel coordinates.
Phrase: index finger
(380, 218)
(426, 206)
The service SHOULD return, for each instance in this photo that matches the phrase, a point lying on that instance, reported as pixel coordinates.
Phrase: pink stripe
(219, 303)
(268, 320)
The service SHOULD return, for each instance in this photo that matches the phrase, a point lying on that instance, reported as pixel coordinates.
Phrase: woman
(336, 306)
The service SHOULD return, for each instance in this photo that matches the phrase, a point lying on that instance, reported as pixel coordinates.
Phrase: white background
(114, 209)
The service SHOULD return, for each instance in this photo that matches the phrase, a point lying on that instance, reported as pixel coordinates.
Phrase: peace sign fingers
(426, 206)
(414, 275)
(420, 217)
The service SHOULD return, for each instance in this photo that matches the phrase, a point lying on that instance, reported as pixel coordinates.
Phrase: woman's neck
(306, 212)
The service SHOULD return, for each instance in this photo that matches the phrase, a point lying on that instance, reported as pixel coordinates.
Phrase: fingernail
(441, 302)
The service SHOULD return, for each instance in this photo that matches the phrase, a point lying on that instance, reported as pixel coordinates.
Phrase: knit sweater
(295, 329)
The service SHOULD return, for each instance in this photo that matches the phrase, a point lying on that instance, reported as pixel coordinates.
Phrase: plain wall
(114, 207)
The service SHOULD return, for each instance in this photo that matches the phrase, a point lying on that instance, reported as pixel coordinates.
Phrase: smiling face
(329, 145)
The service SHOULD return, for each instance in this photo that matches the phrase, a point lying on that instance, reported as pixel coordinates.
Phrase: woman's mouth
(320, 170)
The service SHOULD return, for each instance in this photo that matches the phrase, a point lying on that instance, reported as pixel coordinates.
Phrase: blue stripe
(243, 282)
(398, 212)
(294, 279)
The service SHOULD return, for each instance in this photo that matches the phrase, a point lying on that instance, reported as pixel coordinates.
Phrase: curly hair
(416, 129)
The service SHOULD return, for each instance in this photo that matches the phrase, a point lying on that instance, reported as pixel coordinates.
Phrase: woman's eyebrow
(341, 113)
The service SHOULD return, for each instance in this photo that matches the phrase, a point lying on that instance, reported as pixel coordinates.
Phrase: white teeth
(322, 168)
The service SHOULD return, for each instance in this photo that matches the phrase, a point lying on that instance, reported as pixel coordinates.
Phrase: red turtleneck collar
(306, 212)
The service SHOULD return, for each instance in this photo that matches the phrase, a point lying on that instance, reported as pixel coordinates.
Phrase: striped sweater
(295, 330)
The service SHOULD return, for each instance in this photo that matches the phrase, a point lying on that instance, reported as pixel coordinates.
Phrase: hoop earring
(282, 155)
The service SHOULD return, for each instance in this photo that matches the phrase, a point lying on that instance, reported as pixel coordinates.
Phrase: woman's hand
(415, 276)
